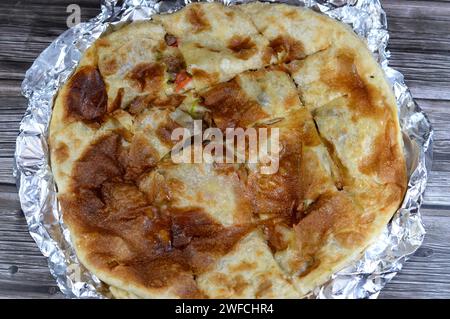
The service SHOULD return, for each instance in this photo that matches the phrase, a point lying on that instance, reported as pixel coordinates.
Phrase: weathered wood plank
(431, 34)
(427, 74)
(23, 269)
(427, 273)
(420, 45)
(6, 167)
(438, 190)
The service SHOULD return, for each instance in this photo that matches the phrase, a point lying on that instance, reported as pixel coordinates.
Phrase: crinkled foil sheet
(37, 190)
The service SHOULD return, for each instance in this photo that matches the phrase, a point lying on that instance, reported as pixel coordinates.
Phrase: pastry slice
(216, 41)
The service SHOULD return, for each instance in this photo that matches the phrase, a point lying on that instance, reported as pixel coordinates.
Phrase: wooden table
(420, 46)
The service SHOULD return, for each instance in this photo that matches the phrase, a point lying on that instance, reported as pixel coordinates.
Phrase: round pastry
(152, 228)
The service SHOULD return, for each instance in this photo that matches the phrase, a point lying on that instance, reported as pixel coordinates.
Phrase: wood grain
(23, 269)
(420, 46)
(427, 273)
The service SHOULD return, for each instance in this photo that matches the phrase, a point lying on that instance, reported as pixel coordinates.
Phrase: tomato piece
(182, 80)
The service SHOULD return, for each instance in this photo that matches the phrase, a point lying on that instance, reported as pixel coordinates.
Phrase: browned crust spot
(61, 152)
(86, 97)
(164, 132)
(242, 47)
(264, 288)
(171, 101)
(291, 14)
(230, 13)
(360, 94)
(203, 76)
(267, 55)
(342, 177)
(196, 17)
(291, 101)
(385, 160)
(147, 77)
(139, 157)
(142, 102)
(332, 213)
(288, 48)
(98, 164)
(230, 106)
(277, 195)
(117, 102)
(139, 103)
(102, 42)
(243, 266)
(273, 236)
(109, 67)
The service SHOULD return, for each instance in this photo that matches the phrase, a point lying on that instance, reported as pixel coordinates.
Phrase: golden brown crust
(288, 48)
(86, 99)
(243, 47)
(230, 107)
(385, 161)
(152, 228)
(161, 244)
(197, 19)
(330, 213)
(146, 77)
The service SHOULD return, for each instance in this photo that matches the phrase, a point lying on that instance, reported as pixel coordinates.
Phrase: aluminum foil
(37, 190)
